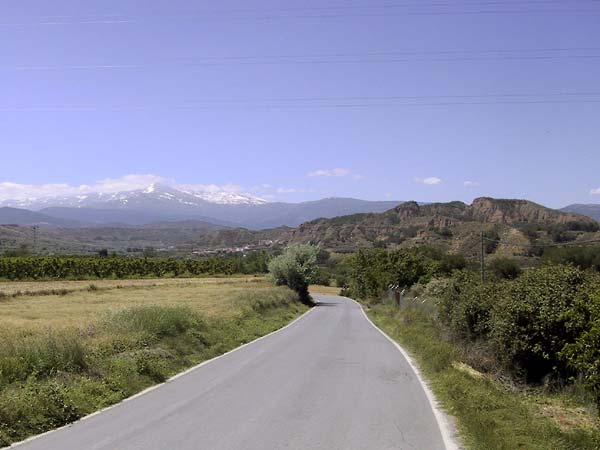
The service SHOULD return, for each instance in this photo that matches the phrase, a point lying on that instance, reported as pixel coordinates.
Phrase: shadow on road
(327, 304)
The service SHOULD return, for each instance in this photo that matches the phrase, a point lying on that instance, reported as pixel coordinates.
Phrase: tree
(504, 268)
(295, 268)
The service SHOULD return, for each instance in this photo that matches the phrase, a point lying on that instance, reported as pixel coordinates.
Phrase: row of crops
(60, 267)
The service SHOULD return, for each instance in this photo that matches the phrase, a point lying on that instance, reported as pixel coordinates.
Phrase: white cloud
(126, 183)
(337, 172)
(285, 190)
(595, 191)
(429, 181)
(471, 183)
(213, 188)
(359, 177)
(17, 191)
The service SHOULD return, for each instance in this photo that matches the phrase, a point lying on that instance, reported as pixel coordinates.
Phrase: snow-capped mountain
(153, 195)
(162, 203)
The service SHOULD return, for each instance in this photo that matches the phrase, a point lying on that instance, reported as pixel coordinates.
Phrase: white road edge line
(157, 386)
(442, 421)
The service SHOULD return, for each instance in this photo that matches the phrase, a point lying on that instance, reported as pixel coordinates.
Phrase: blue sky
(432, 100)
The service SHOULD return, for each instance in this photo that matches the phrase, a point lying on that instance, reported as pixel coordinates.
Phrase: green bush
(322, 277)
(373, 270)
(583, 355)
(41, 356)
(465, 306)
(295, 268)
(542, 323)
(504, 268)
(582, 257)
(530, 322)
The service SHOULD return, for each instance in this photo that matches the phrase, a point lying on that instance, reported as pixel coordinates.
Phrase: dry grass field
(70, 347)
(83, 302)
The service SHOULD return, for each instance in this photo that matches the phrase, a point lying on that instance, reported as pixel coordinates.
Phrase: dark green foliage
(528, 321)
(531, 320)
(466, 306)
(582, 257)
(60, 267)
(504, 268)
(373, 270)
(590, 227)
(322, 276)
(583, 355)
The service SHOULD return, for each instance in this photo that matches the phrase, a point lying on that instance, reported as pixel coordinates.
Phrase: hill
(19, 216)
(454, 225)
(590, 210)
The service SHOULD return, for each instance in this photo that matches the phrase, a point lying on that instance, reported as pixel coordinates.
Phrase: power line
(187, 107)
(395, 5)
(556, 244)
(283, 60)
(116, 19)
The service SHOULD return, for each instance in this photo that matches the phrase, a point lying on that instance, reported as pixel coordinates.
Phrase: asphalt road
(329, 381)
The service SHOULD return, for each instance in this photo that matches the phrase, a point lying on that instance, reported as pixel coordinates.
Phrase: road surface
(330, 381)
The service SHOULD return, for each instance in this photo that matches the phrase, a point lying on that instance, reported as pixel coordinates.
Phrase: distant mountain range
(455, 226)
(25, 217)
(160, 203)
(152, 195)
(590, 210)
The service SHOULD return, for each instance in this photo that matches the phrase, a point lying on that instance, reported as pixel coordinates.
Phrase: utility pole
(482, 258)
(34, 228)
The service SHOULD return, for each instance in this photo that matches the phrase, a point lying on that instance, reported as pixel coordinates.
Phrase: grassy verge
(63, 357)
(490, 415)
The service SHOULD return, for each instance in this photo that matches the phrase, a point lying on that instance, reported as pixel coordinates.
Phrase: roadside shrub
(531, 323)
(261, 300)
(373, 270)
(37, 407)
(295, 268)
(156, 321)
(341, 281)
(41, 356)
(466, 305)
(583, 355)
(321, 277)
